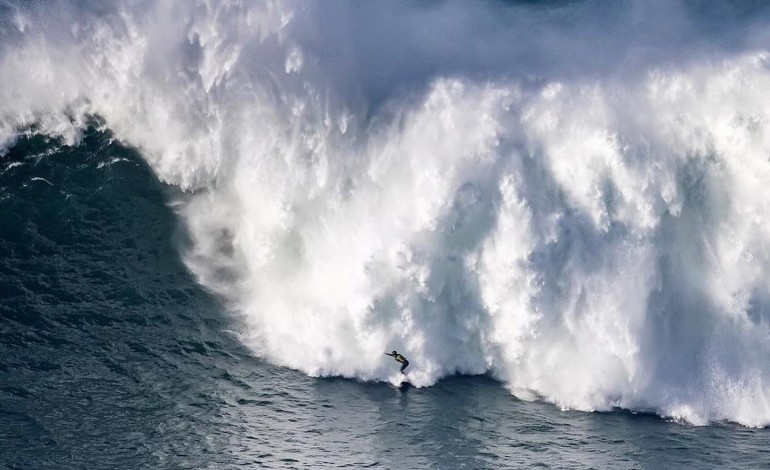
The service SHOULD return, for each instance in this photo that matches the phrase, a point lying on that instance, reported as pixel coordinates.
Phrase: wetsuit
(402, 360)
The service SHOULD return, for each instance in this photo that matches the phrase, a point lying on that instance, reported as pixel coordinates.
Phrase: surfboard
(401, 383)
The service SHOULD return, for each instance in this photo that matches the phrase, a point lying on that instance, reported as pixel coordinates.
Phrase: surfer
(399, 358)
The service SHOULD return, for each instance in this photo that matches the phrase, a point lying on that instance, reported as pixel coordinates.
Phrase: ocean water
(215, 217)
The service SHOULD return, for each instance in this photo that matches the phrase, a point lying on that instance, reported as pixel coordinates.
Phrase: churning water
(215, 217)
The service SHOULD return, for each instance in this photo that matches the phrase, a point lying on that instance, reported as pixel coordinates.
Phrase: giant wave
(571, 197)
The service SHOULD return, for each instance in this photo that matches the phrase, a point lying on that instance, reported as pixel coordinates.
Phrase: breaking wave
(571, 196)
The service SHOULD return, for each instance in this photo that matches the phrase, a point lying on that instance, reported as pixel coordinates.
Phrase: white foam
(593, 235)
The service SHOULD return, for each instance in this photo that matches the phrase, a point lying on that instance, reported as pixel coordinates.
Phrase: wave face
(570, 196)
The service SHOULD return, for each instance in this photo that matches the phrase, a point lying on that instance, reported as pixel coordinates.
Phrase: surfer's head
(394, 352)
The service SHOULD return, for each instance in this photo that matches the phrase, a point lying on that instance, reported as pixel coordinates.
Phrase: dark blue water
(111, 356)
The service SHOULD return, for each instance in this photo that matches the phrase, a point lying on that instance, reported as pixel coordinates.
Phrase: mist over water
(567, 195)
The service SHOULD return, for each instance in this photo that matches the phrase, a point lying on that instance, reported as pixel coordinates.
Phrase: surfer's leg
(403, 366)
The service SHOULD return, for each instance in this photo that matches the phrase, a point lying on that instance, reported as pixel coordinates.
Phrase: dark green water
(111, 356)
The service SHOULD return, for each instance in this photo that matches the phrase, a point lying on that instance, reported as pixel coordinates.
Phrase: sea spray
(592, 229)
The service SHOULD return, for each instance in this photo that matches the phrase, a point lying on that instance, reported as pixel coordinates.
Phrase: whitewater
(571, 197)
